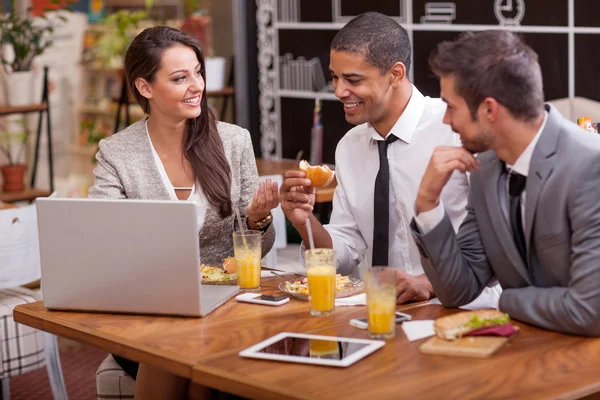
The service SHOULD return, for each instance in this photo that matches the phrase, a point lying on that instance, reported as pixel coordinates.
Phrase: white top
(420, 129)
(197, 194)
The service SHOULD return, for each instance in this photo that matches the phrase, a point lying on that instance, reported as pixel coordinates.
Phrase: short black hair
(496, 64)
(378, 38)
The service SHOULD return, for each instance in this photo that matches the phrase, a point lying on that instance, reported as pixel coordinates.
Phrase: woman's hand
(264, 200)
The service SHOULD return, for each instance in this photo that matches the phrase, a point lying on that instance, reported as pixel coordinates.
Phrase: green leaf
(477, 322)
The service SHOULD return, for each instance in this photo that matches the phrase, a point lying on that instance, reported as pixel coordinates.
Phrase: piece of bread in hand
(229, 265)
(456, 326)
(319, 175)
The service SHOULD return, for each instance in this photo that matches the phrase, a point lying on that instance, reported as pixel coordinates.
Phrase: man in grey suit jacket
(542, 243)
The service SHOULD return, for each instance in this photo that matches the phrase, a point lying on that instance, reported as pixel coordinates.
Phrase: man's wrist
(423, 204)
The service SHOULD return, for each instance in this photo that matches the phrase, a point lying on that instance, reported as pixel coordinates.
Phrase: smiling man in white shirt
(373, 201)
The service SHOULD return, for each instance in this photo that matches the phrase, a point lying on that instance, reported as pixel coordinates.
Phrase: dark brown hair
(376, 37)
(493, 64)
(202, 145)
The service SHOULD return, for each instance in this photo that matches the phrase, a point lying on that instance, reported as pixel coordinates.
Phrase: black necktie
(381, 205)
(516, 184)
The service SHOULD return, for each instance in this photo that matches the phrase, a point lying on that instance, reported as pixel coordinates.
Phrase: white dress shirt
(420, 129)
(196, 195)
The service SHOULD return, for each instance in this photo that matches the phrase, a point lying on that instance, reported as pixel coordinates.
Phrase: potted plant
(119, 31)
(25, 37)
(12, 145)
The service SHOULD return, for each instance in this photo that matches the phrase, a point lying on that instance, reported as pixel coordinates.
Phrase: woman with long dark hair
(180, 152)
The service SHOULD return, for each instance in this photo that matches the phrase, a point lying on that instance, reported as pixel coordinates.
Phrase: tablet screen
(313, 349)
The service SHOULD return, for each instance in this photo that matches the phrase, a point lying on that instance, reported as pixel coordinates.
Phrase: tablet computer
(313, 349)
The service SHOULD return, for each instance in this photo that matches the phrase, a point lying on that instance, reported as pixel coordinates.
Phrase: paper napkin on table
(358, 300)
(416, 330)
(488, 300)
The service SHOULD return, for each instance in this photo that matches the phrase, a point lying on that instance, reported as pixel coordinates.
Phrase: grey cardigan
(126, 170)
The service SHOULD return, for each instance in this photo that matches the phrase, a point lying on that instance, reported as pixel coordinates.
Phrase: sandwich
(458, 325)
(319, 175)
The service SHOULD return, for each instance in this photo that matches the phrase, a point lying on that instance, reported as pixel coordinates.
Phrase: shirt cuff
(428, 220)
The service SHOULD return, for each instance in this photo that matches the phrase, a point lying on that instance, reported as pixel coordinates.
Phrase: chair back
(19, 246)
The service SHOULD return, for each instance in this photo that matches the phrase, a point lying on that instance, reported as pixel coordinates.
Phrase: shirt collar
(521, 166)
(406, 125)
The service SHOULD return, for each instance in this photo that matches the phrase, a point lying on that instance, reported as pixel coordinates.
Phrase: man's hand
(297, 197)
(443, 162)
(412, 288)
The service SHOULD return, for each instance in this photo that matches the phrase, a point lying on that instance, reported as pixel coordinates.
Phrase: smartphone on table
(362, 323)
(264, 299)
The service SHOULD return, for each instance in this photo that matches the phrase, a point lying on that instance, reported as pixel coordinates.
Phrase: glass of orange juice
(381, 302)
(320, 270)
(247, 251)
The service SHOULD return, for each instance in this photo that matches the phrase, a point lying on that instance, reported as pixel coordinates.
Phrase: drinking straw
(243, 232)
(310, 234)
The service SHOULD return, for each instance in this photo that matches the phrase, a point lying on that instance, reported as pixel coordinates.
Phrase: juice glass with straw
(320, 270)
(247, 251)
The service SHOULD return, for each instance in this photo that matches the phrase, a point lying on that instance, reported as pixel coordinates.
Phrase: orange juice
(247, 251)
(324, 349)
(248, 270)
(321, 289)
(381, 307)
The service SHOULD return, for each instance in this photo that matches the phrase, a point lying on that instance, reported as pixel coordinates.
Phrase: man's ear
(398, 72)
(489, 108)
(143, 87)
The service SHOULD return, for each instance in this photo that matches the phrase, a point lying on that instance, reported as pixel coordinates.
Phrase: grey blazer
(126, 169)
(560, 290)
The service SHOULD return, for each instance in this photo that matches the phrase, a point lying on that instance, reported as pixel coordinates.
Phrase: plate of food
(344, 286)
(219, 274)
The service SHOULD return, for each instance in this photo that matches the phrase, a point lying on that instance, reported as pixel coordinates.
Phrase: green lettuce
(477, 322)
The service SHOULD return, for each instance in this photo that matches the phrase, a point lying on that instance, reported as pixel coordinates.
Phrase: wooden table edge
(581, 393)
(108, 343)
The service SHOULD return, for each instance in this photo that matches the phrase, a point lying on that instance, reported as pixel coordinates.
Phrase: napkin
(477, 304)
(416, 330)
(358, 300)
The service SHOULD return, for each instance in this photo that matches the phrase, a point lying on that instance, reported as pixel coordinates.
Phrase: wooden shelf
(25, 195)
(4, 110)
(301, 94)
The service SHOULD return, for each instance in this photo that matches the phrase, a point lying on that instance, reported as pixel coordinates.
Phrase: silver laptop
(129, 256)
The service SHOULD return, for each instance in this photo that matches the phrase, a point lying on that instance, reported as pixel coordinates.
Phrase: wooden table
(25, 195)
(537, 364)
(177, 344)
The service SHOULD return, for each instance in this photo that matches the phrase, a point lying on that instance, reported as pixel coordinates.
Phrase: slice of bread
(455, 326)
